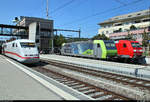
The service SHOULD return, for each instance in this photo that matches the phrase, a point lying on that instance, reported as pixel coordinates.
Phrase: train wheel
(3, 51)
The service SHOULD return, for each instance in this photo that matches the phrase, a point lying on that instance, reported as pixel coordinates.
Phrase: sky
(71, 14)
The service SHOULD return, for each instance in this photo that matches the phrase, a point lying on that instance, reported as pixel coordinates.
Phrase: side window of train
(4, 46)
(16, 45)
(98, 45)
(124, 45)
(13, 45)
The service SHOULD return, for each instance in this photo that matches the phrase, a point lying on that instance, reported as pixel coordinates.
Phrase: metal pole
(10, 30)
(56, 32)
(148, 31)
(52, 42)
(2, 30)
(39, 37)
(47, 11)
(79, 33)
(149, 18)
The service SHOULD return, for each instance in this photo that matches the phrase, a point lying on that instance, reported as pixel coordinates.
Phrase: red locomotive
(130, 50)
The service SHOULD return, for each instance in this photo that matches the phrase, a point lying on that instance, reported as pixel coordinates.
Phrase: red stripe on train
(19, 55)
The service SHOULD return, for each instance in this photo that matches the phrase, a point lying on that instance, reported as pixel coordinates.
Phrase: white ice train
(22, 50)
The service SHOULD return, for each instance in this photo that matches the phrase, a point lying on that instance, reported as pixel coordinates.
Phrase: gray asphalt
(16, 85)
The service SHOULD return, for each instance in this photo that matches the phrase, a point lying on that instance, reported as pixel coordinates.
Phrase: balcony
(125, 33)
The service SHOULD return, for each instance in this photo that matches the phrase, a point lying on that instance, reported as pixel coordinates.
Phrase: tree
(58, 40)
(132, 27)
(145, 39)
(129, 36)
(100, 37)
(120, 30)
(145, 42)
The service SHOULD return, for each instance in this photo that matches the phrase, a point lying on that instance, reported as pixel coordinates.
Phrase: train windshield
(135, 44)
(27, 44)
(110, 45)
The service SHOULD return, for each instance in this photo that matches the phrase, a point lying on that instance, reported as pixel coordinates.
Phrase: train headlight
(134, 50)
(141, 50)
(36, 54)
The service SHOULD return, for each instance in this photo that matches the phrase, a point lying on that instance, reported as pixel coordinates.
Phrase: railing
(130, 30)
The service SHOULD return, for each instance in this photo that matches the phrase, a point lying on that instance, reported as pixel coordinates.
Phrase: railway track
(83, 87)
(126, 80)
(90, 90)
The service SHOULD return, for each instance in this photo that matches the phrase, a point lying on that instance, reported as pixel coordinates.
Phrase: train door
(97, 50)
(0, 49)
(3, 49)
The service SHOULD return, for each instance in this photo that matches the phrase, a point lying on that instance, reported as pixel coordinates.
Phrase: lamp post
(149, 33)
(39, 36)
(52, 37)
(16, 20)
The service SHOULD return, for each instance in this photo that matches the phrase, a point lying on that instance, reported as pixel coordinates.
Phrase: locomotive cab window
(27, 44)
(98, 45)
(134, 44)
(5, 46)
(124, 45)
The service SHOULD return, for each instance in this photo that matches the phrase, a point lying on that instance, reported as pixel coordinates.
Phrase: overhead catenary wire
(62, 6)
(121, 2)
(91, 27)
(79, 3)
(77, 21)
(114, 13)
(99, 13)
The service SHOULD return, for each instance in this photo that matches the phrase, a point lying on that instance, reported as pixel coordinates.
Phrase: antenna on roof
(149, 19)
(47, 14)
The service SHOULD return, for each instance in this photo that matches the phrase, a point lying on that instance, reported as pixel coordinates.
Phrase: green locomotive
(101, 49)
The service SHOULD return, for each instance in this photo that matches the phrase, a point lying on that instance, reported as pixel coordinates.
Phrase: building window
(98, 45)
(146, 20)
(37, 40)
(126, 29)
(118, 24)
(126, 23)
(139, 36)
(135, 36)
(138, 21)
(130, 16)
(102, 32)
(139, 14)
(109, 26)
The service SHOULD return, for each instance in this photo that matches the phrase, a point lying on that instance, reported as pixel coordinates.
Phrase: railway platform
(120, 68)
(147, 59)
(17, 85)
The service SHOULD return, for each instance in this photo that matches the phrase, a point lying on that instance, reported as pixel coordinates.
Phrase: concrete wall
(32, 31)
(147, 60)
(42, 40)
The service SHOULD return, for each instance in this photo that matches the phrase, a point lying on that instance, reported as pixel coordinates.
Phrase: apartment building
(132, 23)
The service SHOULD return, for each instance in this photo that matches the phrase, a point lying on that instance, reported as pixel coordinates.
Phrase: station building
(41, 37)
(120, 26)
